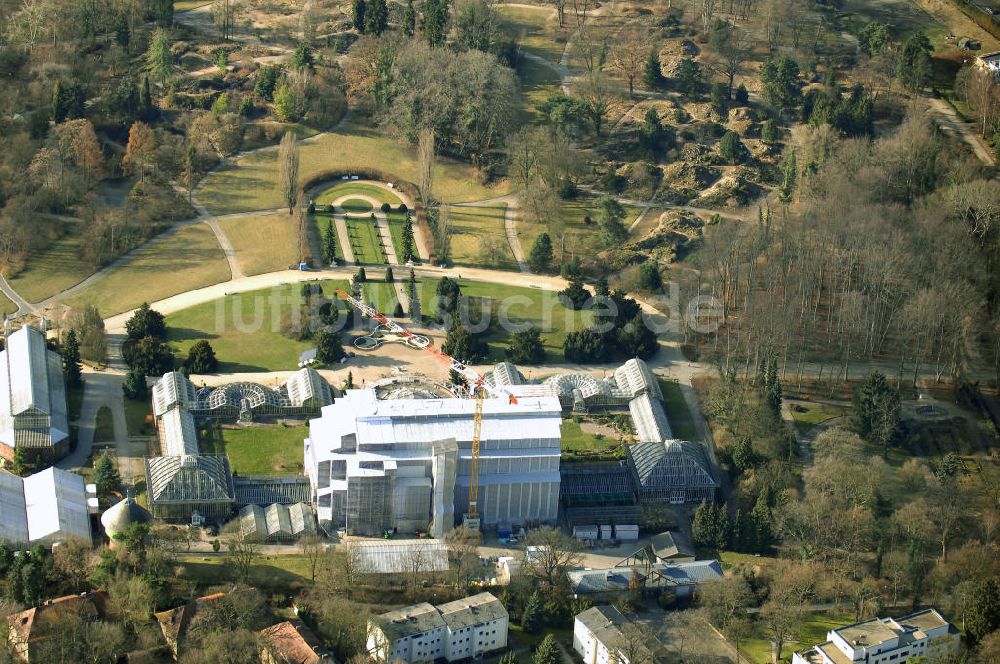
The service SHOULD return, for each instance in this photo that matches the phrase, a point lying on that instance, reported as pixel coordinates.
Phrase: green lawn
(244, 329)
(806, 416)
(356, 206)
(520, 305)
(6, 305)
(248, 184)
(469, 226)
(187, 5)
(578, 445)
(270, 573)
(397, 222)
(582, 239)
(185, 260)
(52, 270)
(346, 188)
(678, 414)
(811, 631)
(263, 243)
(265, 449)
(538, 83)
(381, 295)
(533, 28)
(104, 429)
(139, 417)
(364, 238)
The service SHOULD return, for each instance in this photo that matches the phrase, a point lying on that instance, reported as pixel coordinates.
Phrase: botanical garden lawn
(263, 243)
(356, 206)
(581, 446)
(365, 241)
(185, 260)
(249, 183)
(346, 188)
(52, 270)
(522, 305)
(678, 414)
(397, 222)
(812, 630)
(6, 305)
(381, 295)
(538, 83)
(531, 27)
(581, 239)
(265, 449)
(250, 340)
(469, 225)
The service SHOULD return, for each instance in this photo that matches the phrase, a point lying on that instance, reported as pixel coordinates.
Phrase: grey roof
(32, 392)
(689, 574)
(306, 385)
(47, 506)
(606, 623)
(599, 580)
(178, 434)
(187, 479)
(277, 521)
(122, 514)
(173, 389)
(671, 544)
(398, 556)
(635, 378)
(504, 373)
(471, 611)
(651, 423)
(674, 463)
(13, 517)
(409, 621)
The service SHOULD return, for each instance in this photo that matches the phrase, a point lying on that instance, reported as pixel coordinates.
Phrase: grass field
(104, 429)
(812, 630)
(582, 239)
(519, 305)
(185, 260)
(577, 445)
(469, 225)
(530, 26)
(248, 184)
(138, 417)
(335, 191)
(51, 270)
(245, 329)
(6, 305)
(268, 573)
(263, 243)
(678, 414)
(356, 206)
(187, 5)
(265, 450)
(381, 295)
(365, 241)
(538, 83)
(808, 415)
(397, 221)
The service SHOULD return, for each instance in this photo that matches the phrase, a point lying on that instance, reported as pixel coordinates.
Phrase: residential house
(463, 629)
(600, 637)
(28, 629)
(291, 642)
(174, 623)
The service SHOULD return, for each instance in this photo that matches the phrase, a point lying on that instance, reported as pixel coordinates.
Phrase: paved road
(100, 389)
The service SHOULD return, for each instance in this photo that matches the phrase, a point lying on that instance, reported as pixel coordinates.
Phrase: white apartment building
(462, 629)
(885, 641)
(598, 636)
(405, 464)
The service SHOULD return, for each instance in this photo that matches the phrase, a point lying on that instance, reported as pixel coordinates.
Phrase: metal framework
(477, 384)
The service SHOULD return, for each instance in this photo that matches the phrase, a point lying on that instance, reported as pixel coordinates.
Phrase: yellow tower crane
(478, 387)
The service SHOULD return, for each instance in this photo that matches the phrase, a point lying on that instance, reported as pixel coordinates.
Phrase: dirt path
(950, 123)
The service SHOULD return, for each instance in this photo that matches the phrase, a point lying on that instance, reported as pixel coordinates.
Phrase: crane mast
(477, 385)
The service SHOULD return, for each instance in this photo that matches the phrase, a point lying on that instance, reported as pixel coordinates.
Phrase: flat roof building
(32, 398)
(885, 641)
(405, 464)
(463, 629)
